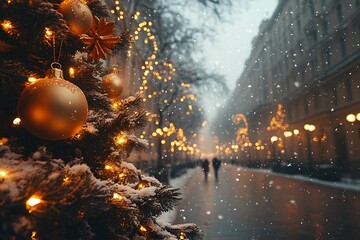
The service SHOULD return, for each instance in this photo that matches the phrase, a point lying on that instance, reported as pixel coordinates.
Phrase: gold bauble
(52, 108)
(77, 15)
(113, 84)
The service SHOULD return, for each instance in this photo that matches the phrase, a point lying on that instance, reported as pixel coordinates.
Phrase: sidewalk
(255, 204)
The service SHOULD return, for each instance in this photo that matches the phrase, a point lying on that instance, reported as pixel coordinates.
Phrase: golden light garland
(161, 71)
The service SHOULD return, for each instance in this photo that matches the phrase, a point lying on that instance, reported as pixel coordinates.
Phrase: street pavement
(254, 205)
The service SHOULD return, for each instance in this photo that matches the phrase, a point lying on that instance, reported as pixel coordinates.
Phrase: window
(313, 36)
(348, 90)
(323, 4)
(339, 12)
(306, 107)
(334, 96)
(298, 23)
(311, 8)
(317, 100)
(328, 57)
(325, 25)
(342, 42)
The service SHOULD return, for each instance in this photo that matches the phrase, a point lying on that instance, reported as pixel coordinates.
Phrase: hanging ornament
(77, 15)
(52, 108)
(100, 39)
(113, 84)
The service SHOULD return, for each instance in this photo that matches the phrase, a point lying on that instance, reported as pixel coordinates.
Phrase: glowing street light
(274, 139)
(288, 134)
(309, 128)
(351, 118)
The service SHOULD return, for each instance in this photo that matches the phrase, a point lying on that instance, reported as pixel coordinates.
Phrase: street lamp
(309, 128)
(273, 139)
(289, 146)
(351, 118)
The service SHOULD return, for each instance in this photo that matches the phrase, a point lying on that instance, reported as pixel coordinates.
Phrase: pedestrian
(216, 164)
(205, 168)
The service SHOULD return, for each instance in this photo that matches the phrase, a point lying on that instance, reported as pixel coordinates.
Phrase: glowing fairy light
(72, 72)
(3, 173)
(48, 33)
(117, 196)
(143, 229)
(32, 79)
(3, 141)
(32, 202)
(7, 25)
(17, 121)
(121, 140)
(108, 167)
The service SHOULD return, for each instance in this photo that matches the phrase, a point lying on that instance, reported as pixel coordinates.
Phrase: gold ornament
(113, 84)
(77, 15)
(100, 39)
(52, 108)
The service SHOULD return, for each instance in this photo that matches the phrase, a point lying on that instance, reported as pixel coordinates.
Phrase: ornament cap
(114, 69)
(55, 72)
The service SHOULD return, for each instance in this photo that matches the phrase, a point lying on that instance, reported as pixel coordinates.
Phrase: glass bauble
(77, 15)
(113, 84)
(53, 108)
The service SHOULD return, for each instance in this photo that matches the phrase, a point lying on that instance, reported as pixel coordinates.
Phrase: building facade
(306, 57)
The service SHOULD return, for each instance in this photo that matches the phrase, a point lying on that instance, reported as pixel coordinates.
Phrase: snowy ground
(179, 182)
(346, 183)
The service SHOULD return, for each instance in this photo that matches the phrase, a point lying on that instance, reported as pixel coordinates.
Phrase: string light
(117, 196)
(33, 235)
(182, 236)
(71, 72)
(121, 139)
(3, 141)
(17, 121)
(32, 202)
(3, 173)
(7, 26)
(48, 33)
(32, 79)
(143, 229)
(108, 167)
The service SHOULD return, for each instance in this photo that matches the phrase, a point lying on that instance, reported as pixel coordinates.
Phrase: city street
(253, 205)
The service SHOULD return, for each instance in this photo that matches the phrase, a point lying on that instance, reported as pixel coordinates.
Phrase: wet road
(253, 205)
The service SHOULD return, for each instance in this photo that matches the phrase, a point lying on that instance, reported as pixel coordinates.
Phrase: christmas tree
(63, 143)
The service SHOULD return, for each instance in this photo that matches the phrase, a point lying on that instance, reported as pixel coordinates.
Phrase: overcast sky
(232, 44)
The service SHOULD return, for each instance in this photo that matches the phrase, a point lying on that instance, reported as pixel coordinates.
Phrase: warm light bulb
(3, 141)
(142, 229)
(351, 118)
(48, 33)
(296, 131)
(287, 133)
(108, 167)
(3, 173)
(17, 121)
(32, 79)
(33, 201)
(72, 72)
(117, 196)
(121, 140)
(274, 139)
(7, 25)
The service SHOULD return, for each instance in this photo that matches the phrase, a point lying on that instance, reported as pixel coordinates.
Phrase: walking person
(216, 164)
(205, 168)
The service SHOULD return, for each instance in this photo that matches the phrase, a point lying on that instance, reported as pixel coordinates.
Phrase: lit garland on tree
(78, 187)
(156, 70)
